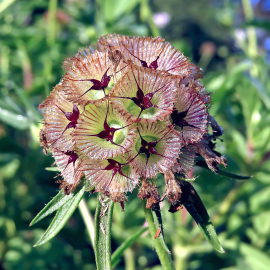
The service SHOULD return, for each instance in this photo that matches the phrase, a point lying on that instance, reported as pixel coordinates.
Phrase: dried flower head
(126, 111)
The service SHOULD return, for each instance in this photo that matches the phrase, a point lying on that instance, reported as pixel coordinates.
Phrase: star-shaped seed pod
(68, 162)
(60, 119)
(155, 149)
(189, 115)
(144, 94)
(89, 79)
(103, 132)
(113, 177)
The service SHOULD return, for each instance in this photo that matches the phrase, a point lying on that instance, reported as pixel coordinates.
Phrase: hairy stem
(103, 222)
(161, 249)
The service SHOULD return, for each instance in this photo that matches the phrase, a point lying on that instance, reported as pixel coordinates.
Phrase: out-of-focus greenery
(37, 35)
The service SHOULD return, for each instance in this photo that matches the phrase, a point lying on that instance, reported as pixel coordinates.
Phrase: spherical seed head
(131, 108)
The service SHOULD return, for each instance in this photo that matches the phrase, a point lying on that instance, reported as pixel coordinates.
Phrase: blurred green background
(230, 40)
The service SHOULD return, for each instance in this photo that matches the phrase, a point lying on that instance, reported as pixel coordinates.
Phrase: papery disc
(161, 86)
(91, 122)
(167, 149)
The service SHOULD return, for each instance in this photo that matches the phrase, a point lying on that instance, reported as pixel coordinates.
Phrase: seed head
(127, 109)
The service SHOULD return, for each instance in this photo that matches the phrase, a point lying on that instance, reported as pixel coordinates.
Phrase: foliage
(36, 36)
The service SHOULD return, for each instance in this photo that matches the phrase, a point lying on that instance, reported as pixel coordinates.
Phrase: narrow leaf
(202, 164)
(52, 169)
(15, 120)
(197, 210)
(59, 200)
(103, 222)
(128, 242)
(62, 216)
(262, 91)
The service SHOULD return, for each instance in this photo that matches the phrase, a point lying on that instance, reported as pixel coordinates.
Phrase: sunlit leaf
(62, 216)
(114, 9)
(59, 200)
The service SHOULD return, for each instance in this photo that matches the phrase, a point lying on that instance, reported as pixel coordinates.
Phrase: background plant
(36, 37)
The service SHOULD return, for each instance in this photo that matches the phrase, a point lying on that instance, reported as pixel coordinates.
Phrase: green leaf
(262, 91)
(59, 200)
(128, 242)
(114, 9)
(32, 112)
(202, 164)
(103, 223)
(198, 212)
(255, 258)
(17, 121)
(62, 216)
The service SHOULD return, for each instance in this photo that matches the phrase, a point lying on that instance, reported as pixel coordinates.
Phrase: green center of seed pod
(120, 134)
(148, 138)
(135, 110)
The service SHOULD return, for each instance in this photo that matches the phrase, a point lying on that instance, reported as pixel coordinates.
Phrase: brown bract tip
(149, 191)
(172, 189)
(212, 158)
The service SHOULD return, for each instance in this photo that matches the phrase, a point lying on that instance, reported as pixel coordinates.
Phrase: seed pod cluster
(127, 109)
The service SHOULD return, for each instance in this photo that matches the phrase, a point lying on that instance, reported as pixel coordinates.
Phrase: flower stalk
(162, 251)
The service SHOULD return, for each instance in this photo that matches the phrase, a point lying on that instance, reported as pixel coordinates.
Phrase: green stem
(128, 242)
(88, 220)
(146, 15)
(161, 249)
(103, 222)
(129, 259)
(51, 26)
(252, 39)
